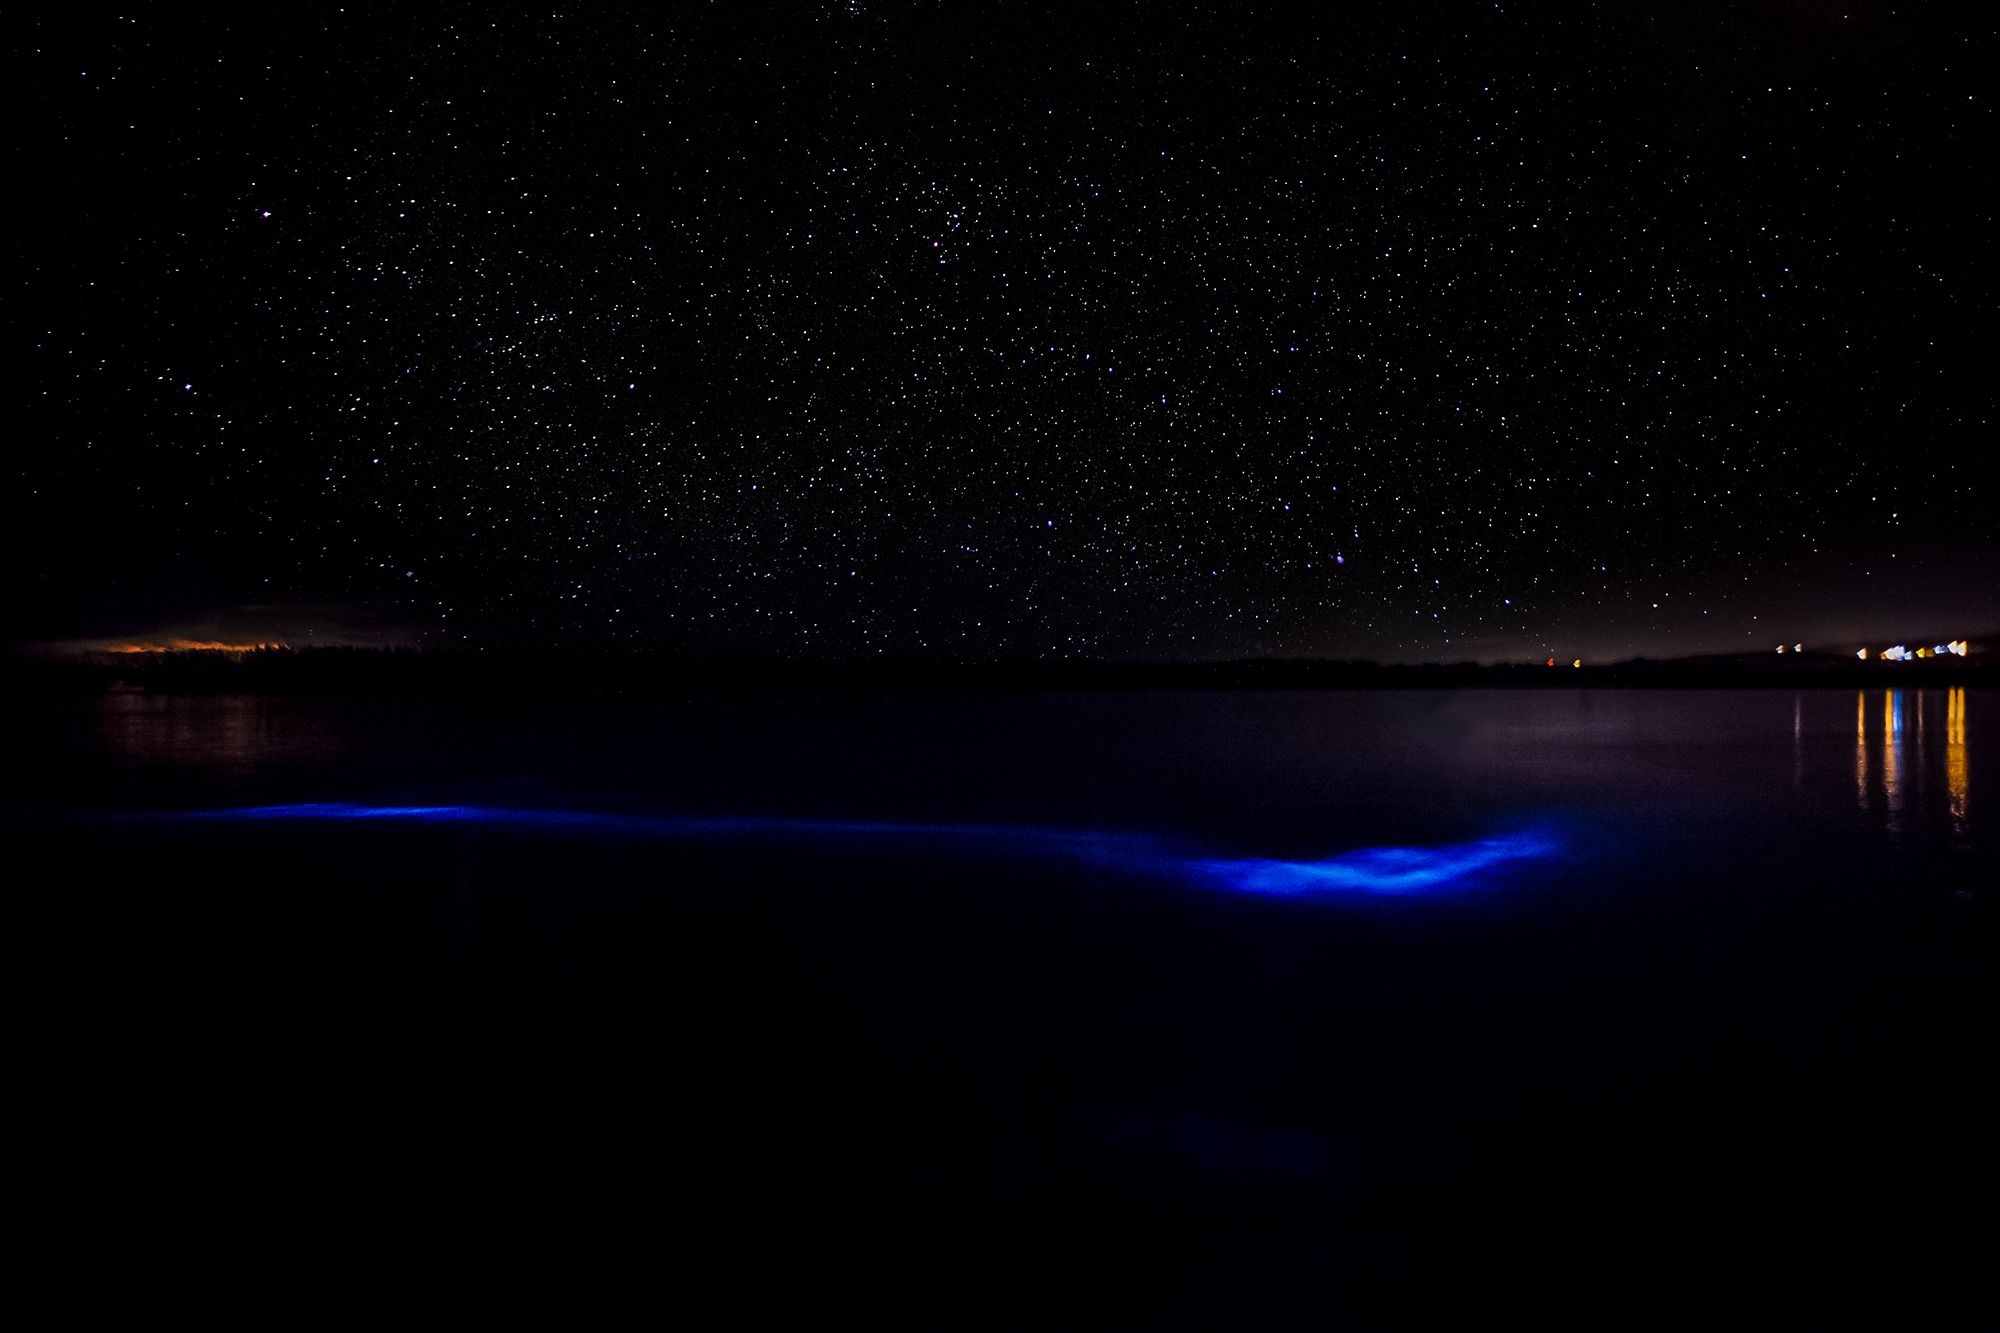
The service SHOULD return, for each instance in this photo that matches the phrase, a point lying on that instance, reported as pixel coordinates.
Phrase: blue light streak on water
(1382, 870)
(1398, 871)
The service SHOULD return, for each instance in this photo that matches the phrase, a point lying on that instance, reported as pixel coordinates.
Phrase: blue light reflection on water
(1400, 871)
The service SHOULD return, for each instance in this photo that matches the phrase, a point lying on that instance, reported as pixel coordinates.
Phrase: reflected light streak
(1892, 744)
(1386, 871)
(1861, 748)
(1954, 758)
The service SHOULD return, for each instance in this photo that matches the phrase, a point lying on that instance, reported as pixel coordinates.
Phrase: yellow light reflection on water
(1954, 757)
(1861, 748)
(1904, 782)
(1892, 743)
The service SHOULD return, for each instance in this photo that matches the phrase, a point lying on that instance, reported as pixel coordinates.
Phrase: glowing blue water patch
(1379, 869)
(1367, 870)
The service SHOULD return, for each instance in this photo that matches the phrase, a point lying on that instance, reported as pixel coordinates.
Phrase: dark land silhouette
(409, 670)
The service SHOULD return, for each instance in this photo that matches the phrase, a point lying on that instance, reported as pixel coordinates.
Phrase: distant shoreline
(366, 671)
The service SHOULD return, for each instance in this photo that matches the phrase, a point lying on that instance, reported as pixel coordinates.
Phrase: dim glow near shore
(1376, 871)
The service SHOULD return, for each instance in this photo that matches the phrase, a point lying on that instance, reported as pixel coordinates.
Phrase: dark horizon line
(352, 669)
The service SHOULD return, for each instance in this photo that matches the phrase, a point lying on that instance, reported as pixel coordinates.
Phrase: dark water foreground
(1229, 1010)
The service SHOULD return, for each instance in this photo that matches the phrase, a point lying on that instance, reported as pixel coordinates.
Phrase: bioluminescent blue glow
(1364, 870)
(1378, 869)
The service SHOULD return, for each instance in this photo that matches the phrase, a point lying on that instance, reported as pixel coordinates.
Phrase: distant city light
(1577, 663)
(1903, 653)
(1798, 647)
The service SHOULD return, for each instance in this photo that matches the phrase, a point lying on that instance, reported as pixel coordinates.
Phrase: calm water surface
(1051, 1009)
(1304, 768)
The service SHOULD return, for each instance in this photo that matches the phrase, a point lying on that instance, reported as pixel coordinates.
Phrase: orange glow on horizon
(192, 646)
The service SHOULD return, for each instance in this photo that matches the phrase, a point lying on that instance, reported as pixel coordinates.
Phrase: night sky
(1414, 332)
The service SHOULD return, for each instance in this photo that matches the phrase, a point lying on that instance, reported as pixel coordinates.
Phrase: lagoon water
(1122, 1008)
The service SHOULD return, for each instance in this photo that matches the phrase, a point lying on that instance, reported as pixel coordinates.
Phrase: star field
(848, 329)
